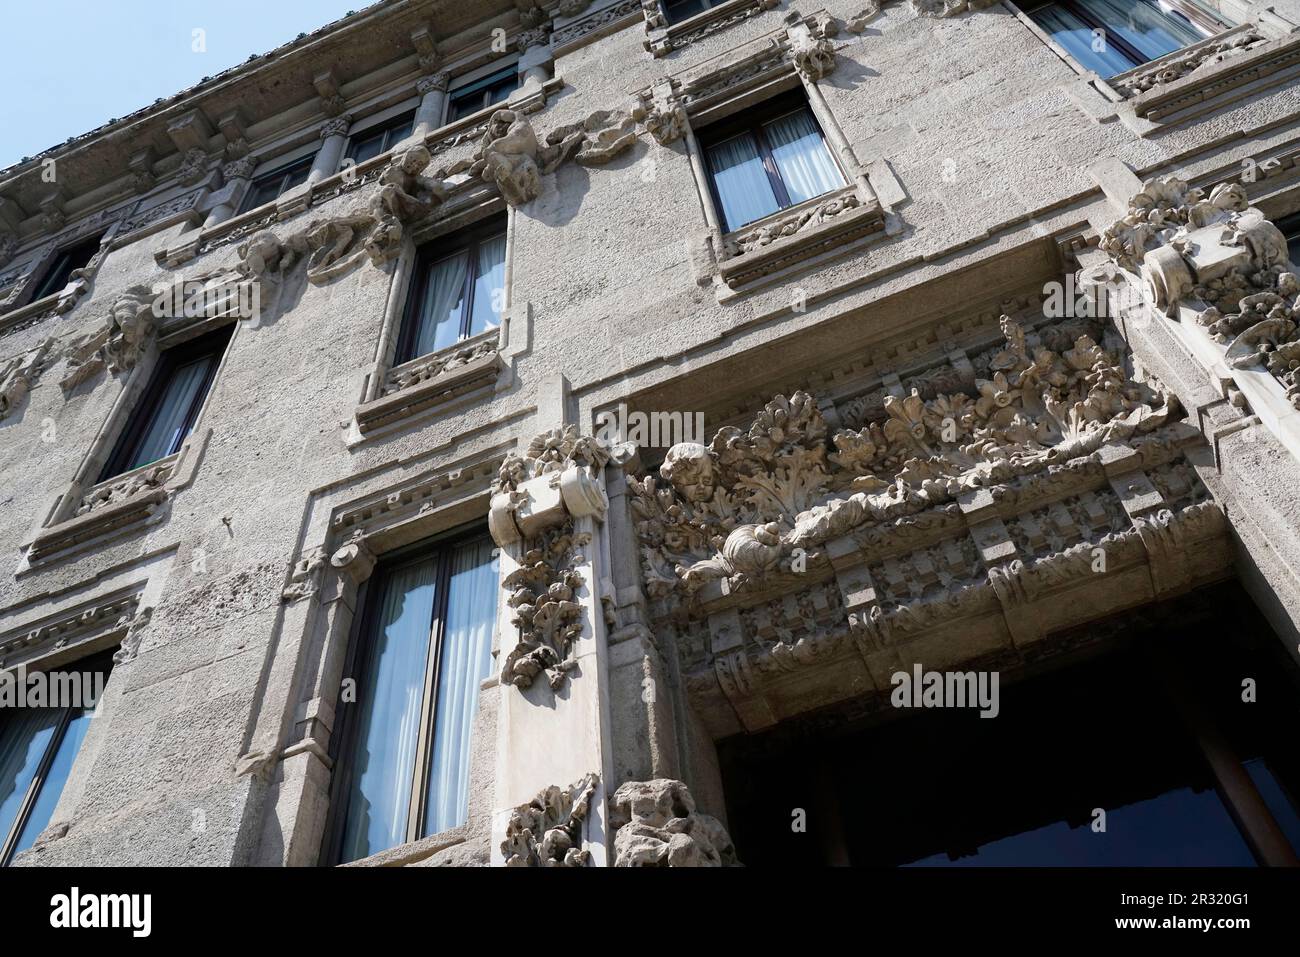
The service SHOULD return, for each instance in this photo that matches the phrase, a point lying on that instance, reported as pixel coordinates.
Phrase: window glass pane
(502, 89)
(261, 193)
(25, 734)
(482, 93)
(170, 420)
(400, 132)
(443, 305)
(1076, 38)
(741, 181)
(65, 263)
(366, 147)
(1153, 31)
(52, 787)
(489, 282)
(297, 174)
(390, 695)
(675, 11)
(801, 156)
(466, 659)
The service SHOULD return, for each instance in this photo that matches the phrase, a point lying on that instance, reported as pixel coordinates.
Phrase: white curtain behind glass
(440, 313)
(167, 425)
(741, 181)
(389, 698)
(489, 285)
(801, 156)
(465, 662)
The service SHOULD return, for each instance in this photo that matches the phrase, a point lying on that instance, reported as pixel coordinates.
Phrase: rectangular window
(675, 11)
(65, 263)
(457, 291)
(1114, 36)
(37, 748)
(381, 138)
(1290, 227)
(170, 405)
(425, 646)
(481, 94)
(271, 185)
(762, 164)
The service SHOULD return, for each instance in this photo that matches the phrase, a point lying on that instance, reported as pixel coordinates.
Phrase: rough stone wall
(989, 134)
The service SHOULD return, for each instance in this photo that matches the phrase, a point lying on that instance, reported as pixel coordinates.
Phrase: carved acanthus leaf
(547, 831)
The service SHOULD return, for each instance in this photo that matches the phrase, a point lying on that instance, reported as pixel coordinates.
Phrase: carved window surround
(1203, 76)
(287, 207)
(663, 38)
(29, 275)
(89, 511)
(322, 598)
(587, 27)
(73, 633)
(792, 239)
(471, 369)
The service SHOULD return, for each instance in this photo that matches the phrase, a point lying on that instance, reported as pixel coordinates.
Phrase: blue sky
(67, 66)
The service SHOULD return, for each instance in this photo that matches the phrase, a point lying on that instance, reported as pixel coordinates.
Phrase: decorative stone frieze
(148, 481)
(434, 380)
(663, 38)
(548, 830)
(84, 626)
(790, 223)
(656, 825)
(1188, 61)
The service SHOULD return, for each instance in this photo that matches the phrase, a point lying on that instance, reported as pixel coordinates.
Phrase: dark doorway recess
(1148, 723)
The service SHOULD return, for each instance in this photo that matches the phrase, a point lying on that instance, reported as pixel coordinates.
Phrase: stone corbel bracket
(545, 502)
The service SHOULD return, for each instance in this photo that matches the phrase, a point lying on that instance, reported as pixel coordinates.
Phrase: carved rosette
(656, 825)
(547, 831)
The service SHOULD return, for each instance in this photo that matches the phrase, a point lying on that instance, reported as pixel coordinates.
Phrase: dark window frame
(64, 263)
(1199, 19)
(483, 85)
(751, 123)
(668, 7)
(212, 344)
(283, 172)
(429, 254)
(360, 655)
(101, 661)
(384, 130)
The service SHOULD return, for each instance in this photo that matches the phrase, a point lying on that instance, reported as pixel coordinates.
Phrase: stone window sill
(433, 380)
(406, 854)
(792, 236)
(662, 38)
(1207, 74)
(117, 504)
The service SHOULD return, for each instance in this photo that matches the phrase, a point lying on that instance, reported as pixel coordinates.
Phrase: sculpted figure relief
(738, 508)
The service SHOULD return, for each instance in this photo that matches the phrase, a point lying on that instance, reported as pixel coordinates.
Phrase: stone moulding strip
(434, 380)
(119, 504)
(588, 28)
(1266, 62)
(66, 634)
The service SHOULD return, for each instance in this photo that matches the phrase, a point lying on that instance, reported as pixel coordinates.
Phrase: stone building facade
(1002, 369)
